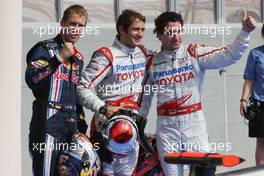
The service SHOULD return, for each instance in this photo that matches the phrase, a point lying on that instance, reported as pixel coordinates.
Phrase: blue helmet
(80, 158)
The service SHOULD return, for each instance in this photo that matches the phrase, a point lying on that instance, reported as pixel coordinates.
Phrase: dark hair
(127, 17)
(262, 31)
(164, 18)
(77, 9)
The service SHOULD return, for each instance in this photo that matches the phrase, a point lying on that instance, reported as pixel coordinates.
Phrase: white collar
(171, 53)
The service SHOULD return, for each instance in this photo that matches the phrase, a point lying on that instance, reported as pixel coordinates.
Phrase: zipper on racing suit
(131, 60)
(172, 62)
(70, 119)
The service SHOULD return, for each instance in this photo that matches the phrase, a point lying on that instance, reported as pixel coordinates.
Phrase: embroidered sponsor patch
(178, 70)
(40, 63)
(51, 45)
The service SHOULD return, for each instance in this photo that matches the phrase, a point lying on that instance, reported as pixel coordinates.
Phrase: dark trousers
(47, 138)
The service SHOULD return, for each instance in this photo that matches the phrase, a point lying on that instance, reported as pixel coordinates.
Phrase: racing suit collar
(169, 54)
(124, 48)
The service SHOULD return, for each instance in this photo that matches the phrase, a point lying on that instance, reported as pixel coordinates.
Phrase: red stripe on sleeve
(215, 50)
(98, 75)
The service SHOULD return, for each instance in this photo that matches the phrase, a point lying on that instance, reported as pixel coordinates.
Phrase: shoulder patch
(48, 44)
(107, 53)
(40, 63)
(51, 45)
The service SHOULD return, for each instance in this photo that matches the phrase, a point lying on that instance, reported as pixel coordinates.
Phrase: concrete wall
(221, 94)
(10, 91)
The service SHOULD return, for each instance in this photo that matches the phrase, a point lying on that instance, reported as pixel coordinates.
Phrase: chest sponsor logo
(176, 79)
(174, 75)
(130, 71)
(173, 71)
(66, 76)
(129, 67)
(130, 75)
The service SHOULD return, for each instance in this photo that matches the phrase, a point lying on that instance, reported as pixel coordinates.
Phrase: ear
(159, 35)
(121, 30)
(62, 22)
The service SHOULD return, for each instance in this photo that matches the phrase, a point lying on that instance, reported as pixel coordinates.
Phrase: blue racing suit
(54, 120)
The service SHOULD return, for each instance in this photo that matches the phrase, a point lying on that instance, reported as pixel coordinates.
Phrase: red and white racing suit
(117, 73)
(179, 76)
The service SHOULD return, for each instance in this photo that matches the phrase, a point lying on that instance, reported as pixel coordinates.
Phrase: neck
(168, 49)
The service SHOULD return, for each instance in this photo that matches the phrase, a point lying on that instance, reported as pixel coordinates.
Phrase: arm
(41, 63)
(94, 73)
(209, 58)
(40, 66)
(249, 76)
(216, 58)
(245, 95)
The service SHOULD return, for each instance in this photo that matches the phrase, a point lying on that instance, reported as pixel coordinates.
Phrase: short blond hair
(77, 9)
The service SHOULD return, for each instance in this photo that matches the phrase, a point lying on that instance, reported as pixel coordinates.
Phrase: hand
(248, 22)
(67, 50)
(61, 168)
(243, 108)
(111, 110)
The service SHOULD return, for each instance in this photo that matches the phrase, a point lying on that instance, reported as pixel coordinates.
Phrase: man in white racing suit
(118, 74)
(180, 70)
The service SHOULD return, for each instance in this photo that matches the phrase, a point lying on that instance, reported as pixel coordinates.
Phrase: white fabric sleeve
(94, 73)
(216, 58)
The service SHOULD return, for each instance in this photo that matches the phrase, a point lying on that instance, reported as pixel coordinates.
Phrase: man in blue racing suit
(53, 70)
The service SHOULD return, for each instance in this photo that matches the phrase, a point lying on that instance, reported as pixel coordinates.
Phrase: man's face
(73, 28)
(172, 36)
(134, 34)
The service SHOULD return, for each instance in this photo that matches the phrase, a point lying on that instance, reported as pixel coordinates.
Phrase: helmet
(121, 131)
(80, 159)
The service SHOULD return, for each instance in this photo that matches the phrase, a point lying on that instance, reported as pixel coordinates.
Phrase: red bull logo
(66, 76)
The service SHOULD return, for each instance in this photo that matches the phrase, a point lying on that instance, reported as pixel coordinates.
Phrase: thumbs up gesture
(248, 22)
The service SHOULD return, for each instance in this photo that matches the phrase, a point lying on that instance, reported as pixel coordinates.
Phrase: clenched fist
(248, 22)
(67, 50)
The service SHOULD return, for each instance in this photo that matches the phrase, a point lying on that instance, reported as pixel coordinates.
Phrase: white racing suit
(118, 74)
(179, 75)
